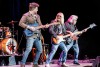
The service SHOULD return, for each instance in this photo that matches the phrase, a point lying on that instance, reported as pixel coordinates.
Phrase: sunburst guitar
(60, 38)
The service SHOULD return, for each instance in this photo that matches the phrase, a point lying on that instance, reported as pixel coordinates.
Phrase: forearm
(23, 25)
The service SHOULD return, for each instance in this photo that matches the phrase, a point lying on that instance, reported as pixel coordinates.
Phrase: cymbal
(12, 22)
(1, 38)
(1, 24)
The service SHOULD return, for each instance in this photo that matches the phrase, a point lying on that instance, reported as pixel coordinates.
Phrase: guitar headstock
(92, 25)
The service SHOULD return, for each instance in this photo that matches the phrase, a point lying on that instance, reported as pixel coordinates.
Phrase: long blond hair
(62, 17)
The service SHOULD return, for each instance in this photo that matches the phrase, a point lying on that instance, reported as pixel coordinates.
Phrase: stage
(83, 63)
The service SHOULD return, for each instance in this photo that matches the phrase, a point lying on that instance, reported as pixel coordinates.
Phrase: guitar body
(28, 32)
(54, 40)
(58, 39)
(43, 55)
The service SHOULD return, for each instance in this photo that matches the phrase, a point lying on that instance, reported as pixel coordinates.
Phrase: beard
(58, 20)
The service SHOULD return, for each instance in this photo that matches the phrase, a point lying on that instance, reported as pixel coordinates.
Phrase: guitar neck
(39, 27)
(85, 29)
(43, 26)
(80, 32)
(53, 24)
(66, 35)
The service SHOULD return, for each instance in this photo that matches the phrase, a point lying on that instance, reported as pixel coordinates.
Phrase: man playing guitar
(72, 41)
(57, 30)
(31, 22)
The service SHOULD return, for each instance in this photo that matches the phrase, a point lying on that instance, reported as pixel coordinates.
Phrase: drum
(0, 46)
(9, 45)
(1, 32)
(6, 29)
(1, 29)
(8, 34)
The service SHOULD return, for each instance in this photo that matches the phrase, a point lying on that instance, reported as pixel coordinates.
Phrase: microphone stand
(12, 46)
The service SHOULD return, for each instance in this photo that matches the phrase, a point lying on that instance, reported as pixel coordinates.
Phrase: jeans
(54, 49)
(29, 46)
(74, 45)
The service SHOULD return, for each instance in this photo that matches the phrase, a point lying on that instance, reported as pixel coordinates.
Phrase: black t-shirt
(70, 27)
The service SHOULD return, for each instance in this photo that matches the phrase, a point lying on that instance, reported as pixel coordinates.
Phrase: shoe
(35, 65)
(64, 65)
(47, 65)
(22, 65)
(59, 63)
(76, 63)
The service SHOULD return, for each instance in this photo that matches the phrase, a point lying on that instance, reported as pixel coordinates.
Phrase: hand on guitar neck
(47, 25)
(74, 35)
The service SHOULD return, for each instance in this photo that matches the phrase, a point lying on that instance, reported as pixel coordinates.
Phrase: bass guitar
(28, 32)
(60, 38)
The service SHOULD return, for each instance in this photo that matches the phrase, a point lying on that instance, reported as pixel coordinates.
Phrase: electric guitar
(28, 32)
(60, 38)
(84, 30)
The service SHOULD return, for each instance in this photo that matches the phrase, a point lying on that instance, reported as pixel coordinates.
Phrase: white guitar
(60, 38)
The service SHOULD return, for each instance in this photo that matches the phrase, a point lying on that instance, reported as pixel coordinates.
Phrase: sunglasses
(58, 16)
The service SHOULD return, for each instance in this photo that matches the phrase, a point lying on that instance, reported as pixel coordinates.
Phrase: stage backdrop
(88, 13)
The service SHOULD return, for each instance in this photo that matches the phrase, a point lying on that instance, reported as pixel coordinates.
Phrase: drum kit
(8, 45)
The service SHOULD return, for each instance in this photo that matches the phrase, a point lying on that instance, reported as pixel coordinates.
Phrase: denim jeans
(29, 45)
(74, 45)
(54, 49)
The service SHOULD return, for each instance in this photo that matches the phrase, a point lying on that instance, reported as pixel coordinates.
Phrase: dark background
(88, 13)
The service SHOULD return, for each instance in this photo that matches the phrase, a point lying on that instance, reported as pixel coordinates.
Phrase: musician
(56, 30)
(71, 42)
(30, 21)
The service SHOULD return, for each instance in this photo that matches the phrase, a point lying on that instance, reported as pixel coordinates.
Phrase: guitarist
(30, 21)
(57, 30)
(71, 42)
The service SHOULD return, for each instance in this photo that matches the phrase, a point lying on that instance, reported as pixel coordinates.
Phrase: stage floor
(83, 63)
